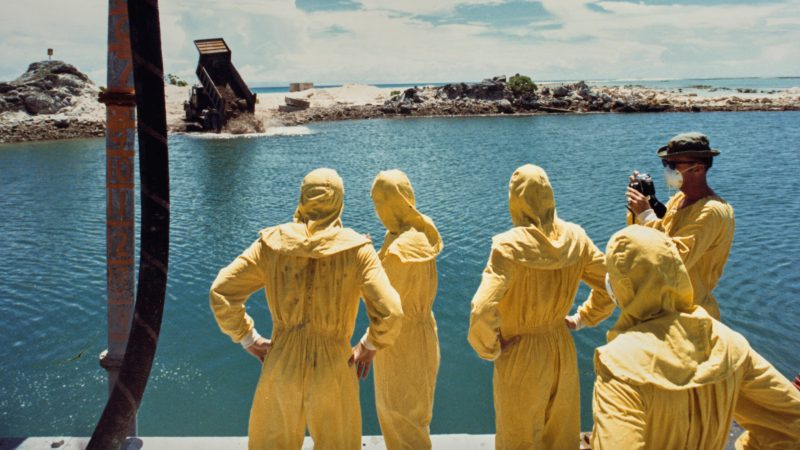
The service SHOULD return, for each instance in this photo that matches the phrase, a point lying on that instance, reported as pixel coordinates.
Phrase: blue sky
(381, 41)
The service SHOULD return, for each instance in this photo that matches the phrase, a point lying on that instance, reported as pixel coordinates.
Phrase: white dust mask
(673, 177)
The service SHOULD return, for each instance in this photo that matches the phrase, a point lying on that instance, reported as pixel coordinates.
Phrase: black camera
(644, 184)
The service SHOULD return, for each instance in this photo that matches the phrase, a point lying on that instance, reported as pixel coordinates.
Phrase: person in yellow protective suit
(671, 376)
(518, 312)
(313, 271)
(700, 223)
(405, 373)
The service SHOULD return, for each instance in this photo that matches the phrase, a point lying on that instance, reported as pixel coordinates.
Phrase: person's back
(316, 290)
(673, 377)
(405, 373)
(313, 272)
(527, 289)
(544, 276)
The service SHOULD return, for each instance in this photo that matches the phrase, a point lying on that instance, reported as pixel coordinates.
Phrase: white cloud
(76, 31)
(419, 7)
(273, 41)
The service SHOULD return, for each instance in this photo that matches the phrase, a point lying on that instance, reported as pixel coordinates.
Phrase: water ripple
(224, 189)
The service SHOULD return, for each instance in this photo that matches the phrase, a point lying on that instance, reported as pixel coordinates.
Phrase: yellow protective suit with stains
(313, 271)
(527, 289)
(672, 377)
(405, 373)
(703, 233)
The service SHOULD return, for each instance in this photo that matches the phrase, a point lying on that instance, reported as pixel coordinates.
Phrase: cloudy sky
(384, 41)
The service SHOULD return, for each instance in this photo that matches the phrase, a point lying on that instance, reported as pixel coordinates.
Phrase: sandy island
(55, 101)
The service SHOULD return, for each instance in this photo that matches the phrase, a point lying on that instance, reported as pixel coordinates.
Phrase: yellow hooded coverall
(703, 233)
(313, 271)
(405, 373)
(672, 377)
(527, 289)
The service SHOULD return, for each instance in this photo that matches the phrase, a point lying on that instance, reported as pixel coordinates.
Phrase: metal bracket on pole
(118, 98)
(109, 362)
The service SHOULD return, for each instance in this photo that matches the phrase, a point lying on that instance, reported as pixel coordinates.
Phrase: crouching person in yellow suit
(313, 271)
(518, 313)
(672, 377)
(405, 374)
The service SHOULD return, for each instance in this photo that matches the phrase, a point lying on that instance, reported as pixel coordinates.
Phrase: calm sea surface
(52, 249)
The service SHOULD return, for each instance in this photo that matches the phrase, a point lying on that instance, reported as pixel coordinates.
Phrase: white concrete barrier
(440, 441)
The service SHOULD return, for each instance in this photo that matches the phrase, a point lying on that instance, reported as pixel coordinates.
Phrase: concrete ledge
(441, 441)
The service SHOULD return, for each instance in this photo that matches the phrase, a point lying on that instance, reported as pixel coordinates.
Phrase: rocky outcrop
(492, 96)
(51, 100)
(488, 89)
(45, 88)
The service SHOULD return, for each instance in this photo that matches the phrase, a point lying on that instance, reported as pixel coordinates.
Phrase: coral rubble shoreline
(492, 97)
(51, 130)
(53, 100)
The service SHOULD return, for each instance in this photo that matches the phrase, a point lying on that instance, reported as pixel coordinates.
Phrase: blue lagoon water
(52, 249)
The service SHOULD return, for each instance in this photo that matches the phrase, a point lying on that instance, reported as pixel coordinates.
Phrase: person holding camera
(699, 222)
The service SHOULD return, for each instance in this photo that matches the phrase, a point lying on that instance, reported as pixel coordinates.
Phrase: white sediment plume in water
(245, 124)
(288, 131)
(271, 131)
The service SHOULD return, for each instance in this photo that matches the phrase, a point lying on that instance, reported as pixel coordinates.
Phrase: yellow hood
(317, 228)
(661, 338)
(410, 235)
(531, 201)
(539, 239)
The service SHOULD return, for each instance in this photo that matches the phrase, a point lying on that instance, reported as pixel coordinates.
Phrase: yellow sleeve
(382, 301)
(233, 286)
(484, 319)
(618, 411)
(657, 224)
(630, 219)
(768, 408)
(694, 239)
(598, 306)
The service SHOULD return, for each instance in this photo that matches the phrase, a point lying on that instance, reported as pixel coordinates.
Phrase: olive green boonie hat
(688, 144)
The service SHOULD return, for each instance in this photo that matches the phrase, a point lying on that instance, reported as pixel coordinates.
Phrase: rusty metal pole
(126, 396)
(120, 104)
